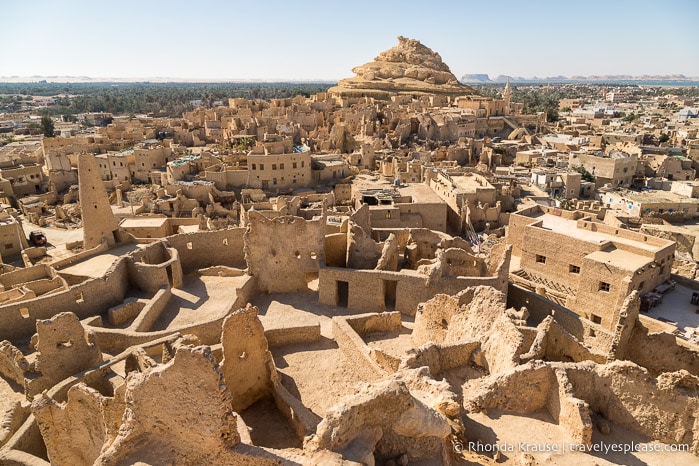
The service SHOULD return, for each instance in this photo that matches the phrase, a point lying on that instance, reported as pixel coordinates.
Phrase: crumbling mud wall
(175, 412)
(554, 343)
(385, 422)
(389, 254)
(64, 348)
(281, 252)
(662, 408)
(204, 249)
(476, 314)
(154, 267)
(530, 388)
(442, 357)
(115, 340)
(87, 299)
(75, 431)
(247, 365)
(593, 336)
(156, 429)
(362, 251)
(411, 288)
(661, 352)
(423, 244)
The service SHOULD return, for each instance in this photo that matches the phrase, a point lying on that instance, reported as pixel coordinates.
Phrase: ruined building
(342, 327)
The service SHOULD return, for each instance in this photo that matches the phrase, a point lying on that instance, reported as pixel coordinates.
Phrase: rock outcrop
(384, 422)
(408, 68)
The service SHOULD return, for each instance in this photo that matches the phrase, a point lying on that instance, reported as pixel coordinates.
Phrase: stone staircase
(556, 292)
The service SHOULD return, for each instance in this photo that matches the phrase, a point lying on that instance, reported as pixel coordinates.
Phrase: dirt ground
(285, 310)
(200, 299)
(268, 427)
(318, 374)
(395, 344)
(537, 432)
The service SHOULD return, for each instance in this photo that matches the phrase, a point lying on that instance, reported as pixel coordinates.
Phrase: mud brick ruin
(394, 319)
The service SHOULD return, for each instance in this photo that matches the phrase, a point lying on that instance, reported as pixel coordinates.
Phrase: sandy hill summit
(408, 68)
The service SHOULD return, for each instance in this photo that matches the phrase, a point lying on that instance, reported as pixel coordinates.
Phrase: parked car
(37, 238)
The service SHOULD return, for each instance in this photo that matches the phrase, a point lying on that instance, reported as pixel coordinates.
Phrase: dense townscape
(397, 268)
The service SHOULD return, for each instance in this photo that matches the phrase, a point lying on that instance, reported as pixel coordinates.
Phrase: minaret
(99, 222)
(507, 95)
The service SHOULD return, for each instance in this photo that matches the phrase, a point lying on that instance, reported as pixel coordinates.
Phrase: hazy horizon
(319, 42)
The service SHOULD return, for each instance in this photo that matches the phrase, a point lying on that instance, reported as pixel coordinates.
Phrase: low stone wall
(22, 276)
(111, 340)
(355, 350)
(302, 419)
(367, 323)
(89, 298)
(103, 247)
(125, 312)
(291, 335)
(442, 357)
(152, 311)
(43, 286)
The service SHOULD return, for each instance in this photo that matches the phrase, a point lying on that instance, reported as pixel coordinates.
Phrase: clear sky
(314, 40)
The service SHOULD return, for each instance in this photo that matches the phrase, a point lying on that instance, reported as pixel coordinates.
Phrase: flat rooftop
(143, 222)
(658, 196)
(469, 184)
(97, 266)
(418, 191)
(570, 228)
(621, 259)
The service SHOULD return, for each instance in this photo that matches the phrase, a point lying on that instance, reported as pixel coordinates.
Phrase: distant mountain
(485, 79)
(476, 79)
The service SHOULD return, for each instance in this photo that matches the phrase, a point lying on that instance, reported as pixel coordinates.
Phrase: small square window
(573, 268)
(641, 285)
(540, 259)
(604, 286)
(262, 166)
(596, 319)
(281, 166)
(274, 166)
(254, 167)
(294, 165)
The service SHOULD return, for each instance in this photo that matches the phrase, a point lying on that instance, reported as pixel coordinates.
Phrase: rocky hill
(409, 67)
